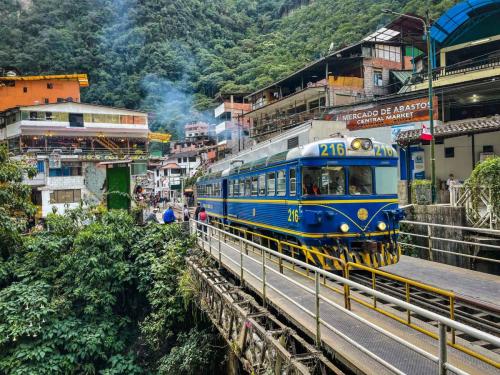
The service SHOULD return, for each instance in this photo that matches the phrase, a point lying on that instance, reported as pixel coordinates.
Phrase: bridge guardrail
(206, 232)
(431, 239)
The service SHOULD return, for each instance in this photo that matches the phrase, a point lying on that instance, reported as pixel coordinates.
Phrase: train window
(271, 186)
(327, 180)
(386, 180)
(242, 188)
(281, 183)
(248, 185)
(360, 180)
(235, 188)
(231, 188)
(293, 182)
(262, 184)
(254, 186)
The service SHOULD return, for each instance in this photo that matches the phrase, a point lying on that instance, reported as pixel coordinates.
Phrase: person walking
(185, 213)
(203, 218)
(169, 216)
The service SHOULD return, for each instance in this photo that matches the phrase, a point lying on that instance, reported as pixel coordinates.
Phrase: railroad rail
(277, 262)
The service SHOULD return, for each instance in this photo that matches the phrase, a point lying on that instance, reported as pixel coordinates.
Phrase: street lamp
(426, 25)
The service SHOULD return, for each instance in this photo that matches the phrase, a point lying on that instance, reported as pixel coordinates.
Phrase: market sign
(388, 114)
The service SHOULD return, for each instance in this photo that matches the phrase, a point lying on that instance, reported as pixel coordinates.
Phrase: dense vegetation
(95, 293)
(169, 57)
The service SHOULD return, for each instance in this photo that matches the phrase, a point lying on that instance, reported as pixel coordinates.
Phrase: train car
(337, 196)
(212, 192)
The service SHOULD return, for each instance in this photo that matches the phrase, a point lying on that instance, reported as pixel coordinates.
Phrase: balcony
(223, 126)
(452, 74)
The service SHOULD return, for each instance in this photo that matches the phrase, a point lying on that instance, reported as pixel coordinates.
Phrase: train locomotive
(337, 196)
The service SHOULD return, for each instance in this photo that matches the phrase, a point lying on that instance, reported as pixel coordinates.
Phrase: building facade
(68, 142)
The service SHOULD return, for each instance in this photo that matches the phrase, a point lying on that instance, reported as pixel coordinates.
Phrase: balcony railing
(283, 121)
(97, 153)
(456, 69)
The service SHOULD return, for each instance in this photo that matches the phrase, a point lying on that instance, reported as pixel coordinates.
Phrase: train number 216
(293, 215)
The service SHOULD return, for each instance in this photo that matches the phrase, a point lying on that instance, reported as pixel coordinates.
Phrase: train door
(224, 198)
(292, 197)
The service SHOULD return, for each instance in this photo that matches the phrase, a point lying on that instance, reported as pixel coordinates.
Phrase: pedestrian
(451, 182)
(197, 211)
(152, 217)
(185, 213)
(203, 218)
(169, 216)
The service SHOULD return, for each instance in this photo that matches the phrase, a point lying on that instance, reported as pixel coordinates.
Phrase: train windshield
(386, 180)
(360, 180)
(323, 180)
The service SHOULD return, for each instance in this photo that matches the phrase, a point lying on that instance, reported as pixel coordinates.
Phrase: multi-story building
(17, 90)
(365, 70)
(196, 131)
(233, 126)
(68, 142)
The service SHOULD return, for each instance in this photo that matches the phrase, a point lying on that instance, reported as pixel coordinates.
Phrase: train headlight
(344, 228)
(367, 144)
(356, 144)
(381, 226)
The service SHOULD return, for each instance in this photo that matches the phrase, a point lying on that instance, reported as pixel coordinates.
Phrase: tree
(15, 203)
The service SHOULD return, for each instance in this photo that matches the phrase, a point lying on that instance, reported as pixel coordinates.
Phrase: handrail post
(318, 321)
(452, 316)
(280, 260)
(347, 297)
(241, 263)
(220, 255)
(442, 349)
(264, 278)
(408, 311)
(429, 242)
(374, 287)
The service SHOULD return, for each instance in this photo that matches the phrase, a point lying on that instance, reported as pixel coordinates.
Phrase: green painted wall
(118, 180)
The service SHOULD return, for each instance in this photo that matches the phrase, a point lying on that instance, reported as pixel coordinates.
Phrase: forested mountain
(171, 56)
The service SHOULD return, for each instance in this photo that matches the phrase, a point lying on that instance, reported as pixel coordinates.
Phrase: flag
(426, 133)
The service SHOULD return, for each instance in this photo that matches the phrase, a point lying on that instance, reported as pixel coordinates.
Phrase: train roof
(309, 150)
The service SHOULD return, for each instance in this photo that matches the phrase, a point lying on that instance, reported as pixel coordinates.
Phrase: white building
(67, 141)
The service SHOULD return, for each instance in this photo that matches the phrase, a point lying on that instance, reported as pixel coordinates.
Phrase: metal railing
(208, 234)
(430, 240)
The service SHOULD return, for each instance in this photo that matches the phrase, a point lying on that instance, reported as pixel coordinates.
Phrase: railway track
(468, 311)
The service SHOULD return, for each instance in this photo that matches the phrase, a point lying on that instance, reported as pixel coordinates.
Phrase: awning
(171, 166)
(453, 129)
(402, 76)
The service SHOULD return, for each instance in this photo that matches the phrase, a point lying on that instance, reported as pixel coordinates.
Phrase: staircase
(108, 144)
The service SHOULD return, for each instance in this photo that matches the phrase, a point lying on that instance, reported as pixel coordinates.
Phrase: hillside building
(17, 90)
(233, 125)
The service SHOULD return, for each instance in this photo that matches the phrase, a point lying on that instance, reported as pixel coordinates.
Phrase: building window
(68, 168)
(185, 160)
(179, 160)
(449, 152)
(65, 196)
(50, 86)
(487, 148)
(46, 100)
(192, 159)
(25, 89)
(40, 166)
(391, 53)
(377, 78)
(76, 120)
(60, 100)
(292, 142)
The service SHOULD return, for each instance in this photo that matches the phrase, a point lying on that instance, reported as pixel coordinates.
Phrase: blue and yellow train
(337, 196)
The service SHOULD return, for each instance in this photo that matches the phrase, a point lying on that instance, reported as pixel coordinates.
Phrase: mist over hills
(172, 57)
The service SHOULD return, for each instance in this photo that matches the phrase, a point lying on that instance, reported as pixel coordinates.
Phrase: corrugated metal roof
(453, 129)
(402, 76)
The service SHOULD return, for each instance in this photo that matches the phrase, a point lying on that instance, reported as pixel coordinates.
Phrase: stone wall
(448, 215)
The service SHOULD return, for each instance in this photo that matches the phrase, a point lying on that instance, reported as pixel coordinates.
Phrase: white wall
(461, 164)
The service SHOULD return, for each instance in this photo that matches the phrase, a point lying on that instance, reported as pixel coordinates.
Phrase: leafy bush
(100, 297)
(486, 175)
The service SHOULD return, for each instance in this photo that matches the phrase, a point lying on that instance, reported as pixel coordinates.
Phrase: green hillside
(171, 57)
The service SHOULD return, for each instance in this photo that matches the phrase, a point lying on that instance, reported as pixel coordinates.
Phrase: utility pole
(427, 34)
